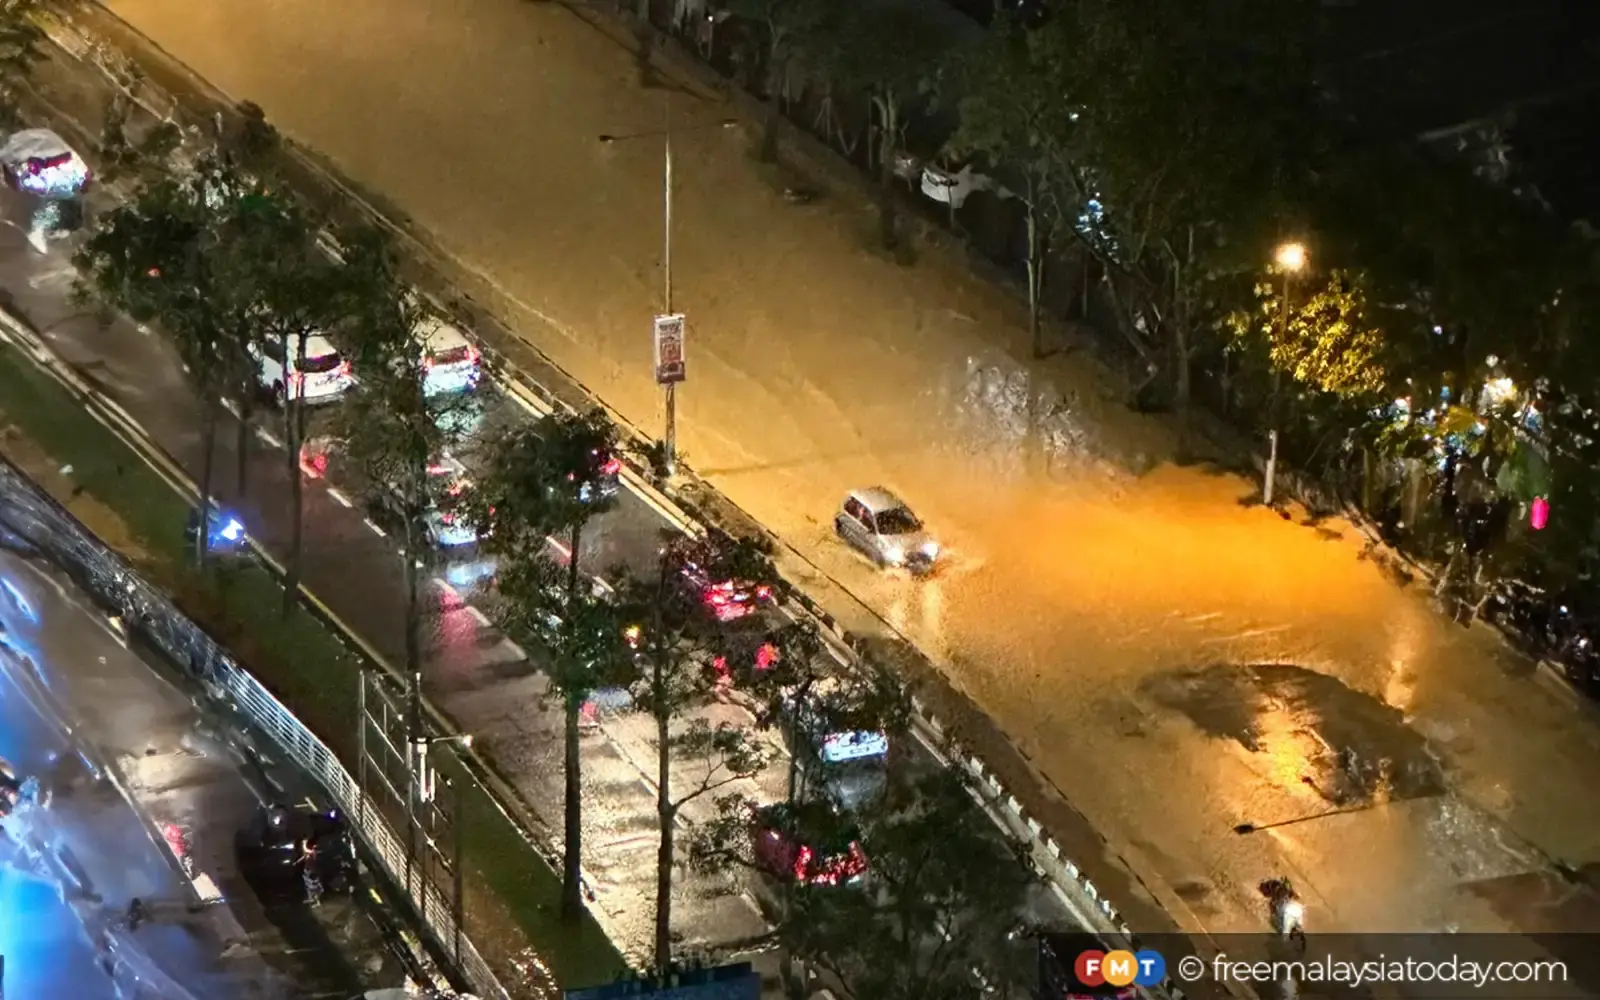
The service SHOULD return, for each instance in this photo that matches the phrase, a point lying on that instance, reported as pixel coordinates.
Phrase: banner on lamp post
(669, 332)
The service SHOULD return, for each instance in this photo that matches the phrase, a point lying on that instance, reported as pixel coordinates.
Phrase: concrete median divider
(29, 513)
(685, 502)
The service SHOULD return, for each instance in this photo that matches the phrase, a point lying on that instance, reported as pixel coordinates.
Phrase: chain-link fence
(410, 859)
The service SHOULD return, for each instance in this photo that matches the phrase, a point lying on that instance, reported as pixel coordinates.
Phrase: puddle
(1306, 728)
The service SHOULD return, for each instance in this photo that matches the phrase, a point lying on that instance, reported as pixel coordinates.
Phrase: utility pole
(458, 830)
(1291, 258)
(669, 438)
(669, 441)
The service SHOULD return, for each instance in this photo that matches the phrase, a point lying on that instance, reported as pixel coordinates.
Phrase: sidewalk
(1172, 660)
(481, 680)
(160, 826)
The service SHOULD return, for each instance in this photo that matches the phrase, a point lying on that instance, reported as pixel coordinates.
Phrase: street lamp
(421, 747)
(1291, 260)
(669, 440)
(1291, 257)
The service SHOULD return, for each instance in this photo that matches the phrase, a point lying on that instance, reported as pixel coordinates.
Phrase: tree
(947, 889)
(144, 157)
(21, 47)
(542, 481)
(159, 258)
(1325, 341)
(788, 28)
(1196, 130)
(295, 291)
(795, 688)
(678, 644)
(391, 430)
(1011, 114)
(892, 54)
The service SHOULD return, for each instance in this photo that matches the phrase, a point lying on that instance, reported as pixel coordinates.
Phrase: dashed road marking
(268, 437)
(48, 277)
(230, 406)
(375, 529)
(477, 614)
(339, 498)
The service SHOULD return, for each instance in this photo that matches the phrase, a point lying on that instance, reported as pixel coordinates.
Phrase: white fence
(36, 519)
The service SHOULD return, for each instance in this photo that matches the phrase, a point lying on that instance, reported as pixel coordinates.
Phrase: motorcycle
(1287, 912)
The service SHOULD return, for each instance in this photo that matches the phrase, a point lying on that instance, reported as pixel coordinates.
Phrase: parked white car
(450, 362)
(324, 376)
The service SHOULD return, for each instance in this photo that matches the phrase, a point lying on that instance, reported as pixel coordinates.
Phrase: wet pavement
(1089, 573)
(146, 794)
(478, 677)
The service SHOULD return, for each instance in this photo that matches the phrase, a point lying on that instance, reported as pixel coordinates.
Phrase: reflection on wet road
(1086, 562)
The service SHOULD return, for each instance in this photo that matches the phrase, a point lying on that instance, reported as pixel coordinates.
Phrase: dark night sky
(1419, 65)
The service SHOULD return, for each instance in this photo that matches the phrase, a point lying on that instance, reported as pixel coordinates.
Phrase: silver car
(879, 523)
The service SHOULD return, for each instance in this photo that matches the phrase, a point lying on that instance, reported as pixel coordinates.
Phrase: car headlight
(931, 550)
(894, 554)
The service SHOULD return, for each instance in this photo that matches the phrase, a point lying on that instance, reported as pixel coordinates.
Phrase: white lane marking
(142, 329)
(515, 650)
(47, 277)
(477, 615)
(375, 529)
(230, 406)
(267, 436)
(566, 553)
(339, 498)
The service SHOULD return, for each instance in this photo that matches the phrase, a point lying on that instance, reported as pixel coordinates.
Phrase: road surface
(1176, 661)
(478, 677)
(172, 790)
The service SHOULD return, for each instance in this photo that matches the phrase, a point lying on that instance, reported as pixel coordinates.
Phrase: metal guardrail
(1080, 893)
(30, 513)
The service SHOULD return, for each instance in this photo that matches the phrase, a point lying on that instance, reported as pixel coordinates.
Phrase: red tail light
(802, 863)
(427, 362)
(344, 368)
(718, 597)
(764, 593)
(314, 466)
(767, 656)
(612, 467)
(472, 355)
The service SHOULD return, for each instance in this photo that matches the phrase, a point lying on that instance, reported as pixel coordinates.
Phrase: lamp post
(669, 439)
(420, 789)
(1291, 260)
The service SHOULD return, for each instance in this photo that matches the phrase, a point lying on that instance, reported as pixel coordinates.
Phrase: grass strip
(299, 659)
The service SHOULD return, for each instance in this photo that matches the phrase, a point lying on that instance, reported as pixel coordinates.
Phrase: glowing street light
(1291, 257)
(1291, 260)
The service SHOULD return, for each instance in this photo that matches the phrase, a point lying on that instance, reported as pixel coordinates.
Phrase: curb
(687, 516)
